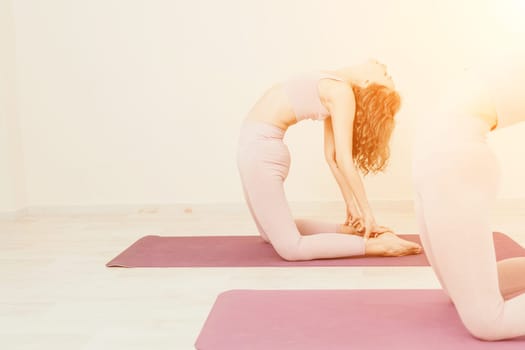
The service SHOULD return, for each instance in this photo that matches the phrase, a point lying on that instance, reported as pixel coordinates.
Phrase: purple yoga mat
(252, 251)
(339, 320)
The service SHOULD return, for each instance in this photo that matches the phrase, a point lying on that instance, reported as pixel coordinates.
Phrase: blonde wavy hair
(376, 106)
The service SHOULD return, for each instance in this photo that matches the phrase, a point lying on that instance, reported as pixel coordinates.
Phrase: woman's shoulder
(333, 86)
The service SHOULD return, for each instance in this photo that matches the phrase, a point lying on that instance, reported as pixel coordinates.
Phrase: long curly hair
(376, 106)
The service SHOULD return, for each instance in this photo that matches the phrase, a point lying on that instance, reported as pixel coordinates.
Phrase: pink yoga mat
(252, 251)
(339, 320)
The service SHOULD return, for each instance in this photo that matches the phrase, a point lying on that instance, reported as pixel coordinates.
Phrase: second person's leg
(457, 191)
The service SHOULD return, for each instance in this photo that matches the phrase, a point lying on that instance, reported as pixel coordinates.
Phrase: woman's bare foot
(388, 244)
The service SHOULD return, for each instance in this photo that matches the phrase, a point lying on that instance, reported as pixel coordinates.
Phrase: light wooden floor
(56, 293)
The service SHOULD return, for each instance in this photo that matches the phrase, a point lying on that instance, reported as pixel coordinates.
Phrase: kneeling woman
(456, 179)
(358, 105)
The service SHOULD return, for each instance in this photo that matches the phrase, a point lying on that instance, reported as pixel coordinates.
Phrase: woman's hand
(353, 217)
(368, 227)
(349, 229)
(356, 222)
(359, 229)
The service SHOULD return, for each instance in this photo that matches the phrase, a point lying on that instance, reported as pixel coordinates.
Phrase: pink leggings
(264, 161)
(455, 190)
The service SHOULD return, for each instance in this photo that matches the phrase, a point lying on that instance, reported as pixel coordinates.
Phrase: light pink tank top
(303, 95)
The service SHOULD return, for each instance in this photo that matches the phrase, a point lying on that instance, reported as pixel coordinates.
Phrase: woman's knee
(290, 254)
(290, 251)
(484, 324)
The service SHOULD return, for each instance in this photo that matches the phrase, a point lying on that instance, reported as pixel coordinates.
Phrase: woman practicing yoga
(357, 105)
(456, 178)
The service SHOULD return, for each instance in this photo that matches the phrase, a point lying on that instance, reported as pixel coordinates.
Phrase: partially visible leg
(249, 204)
(511, 274)
(423, 235)
(264, 172)
(457, 191)
(506, 78)
(309, 227)
(243, 153)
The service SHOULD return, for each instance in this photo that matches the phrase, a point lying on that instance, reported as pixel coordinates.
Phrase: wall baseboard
(13, 215)
(514, 206)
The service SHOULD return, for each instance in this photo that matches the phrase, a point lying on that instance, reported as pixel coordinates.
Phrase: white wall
(11, 173)
(135, 101)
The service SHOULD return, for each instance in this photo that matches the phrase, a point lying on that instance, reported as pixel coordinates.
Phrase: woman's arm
(340, 102)
(329, 152)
